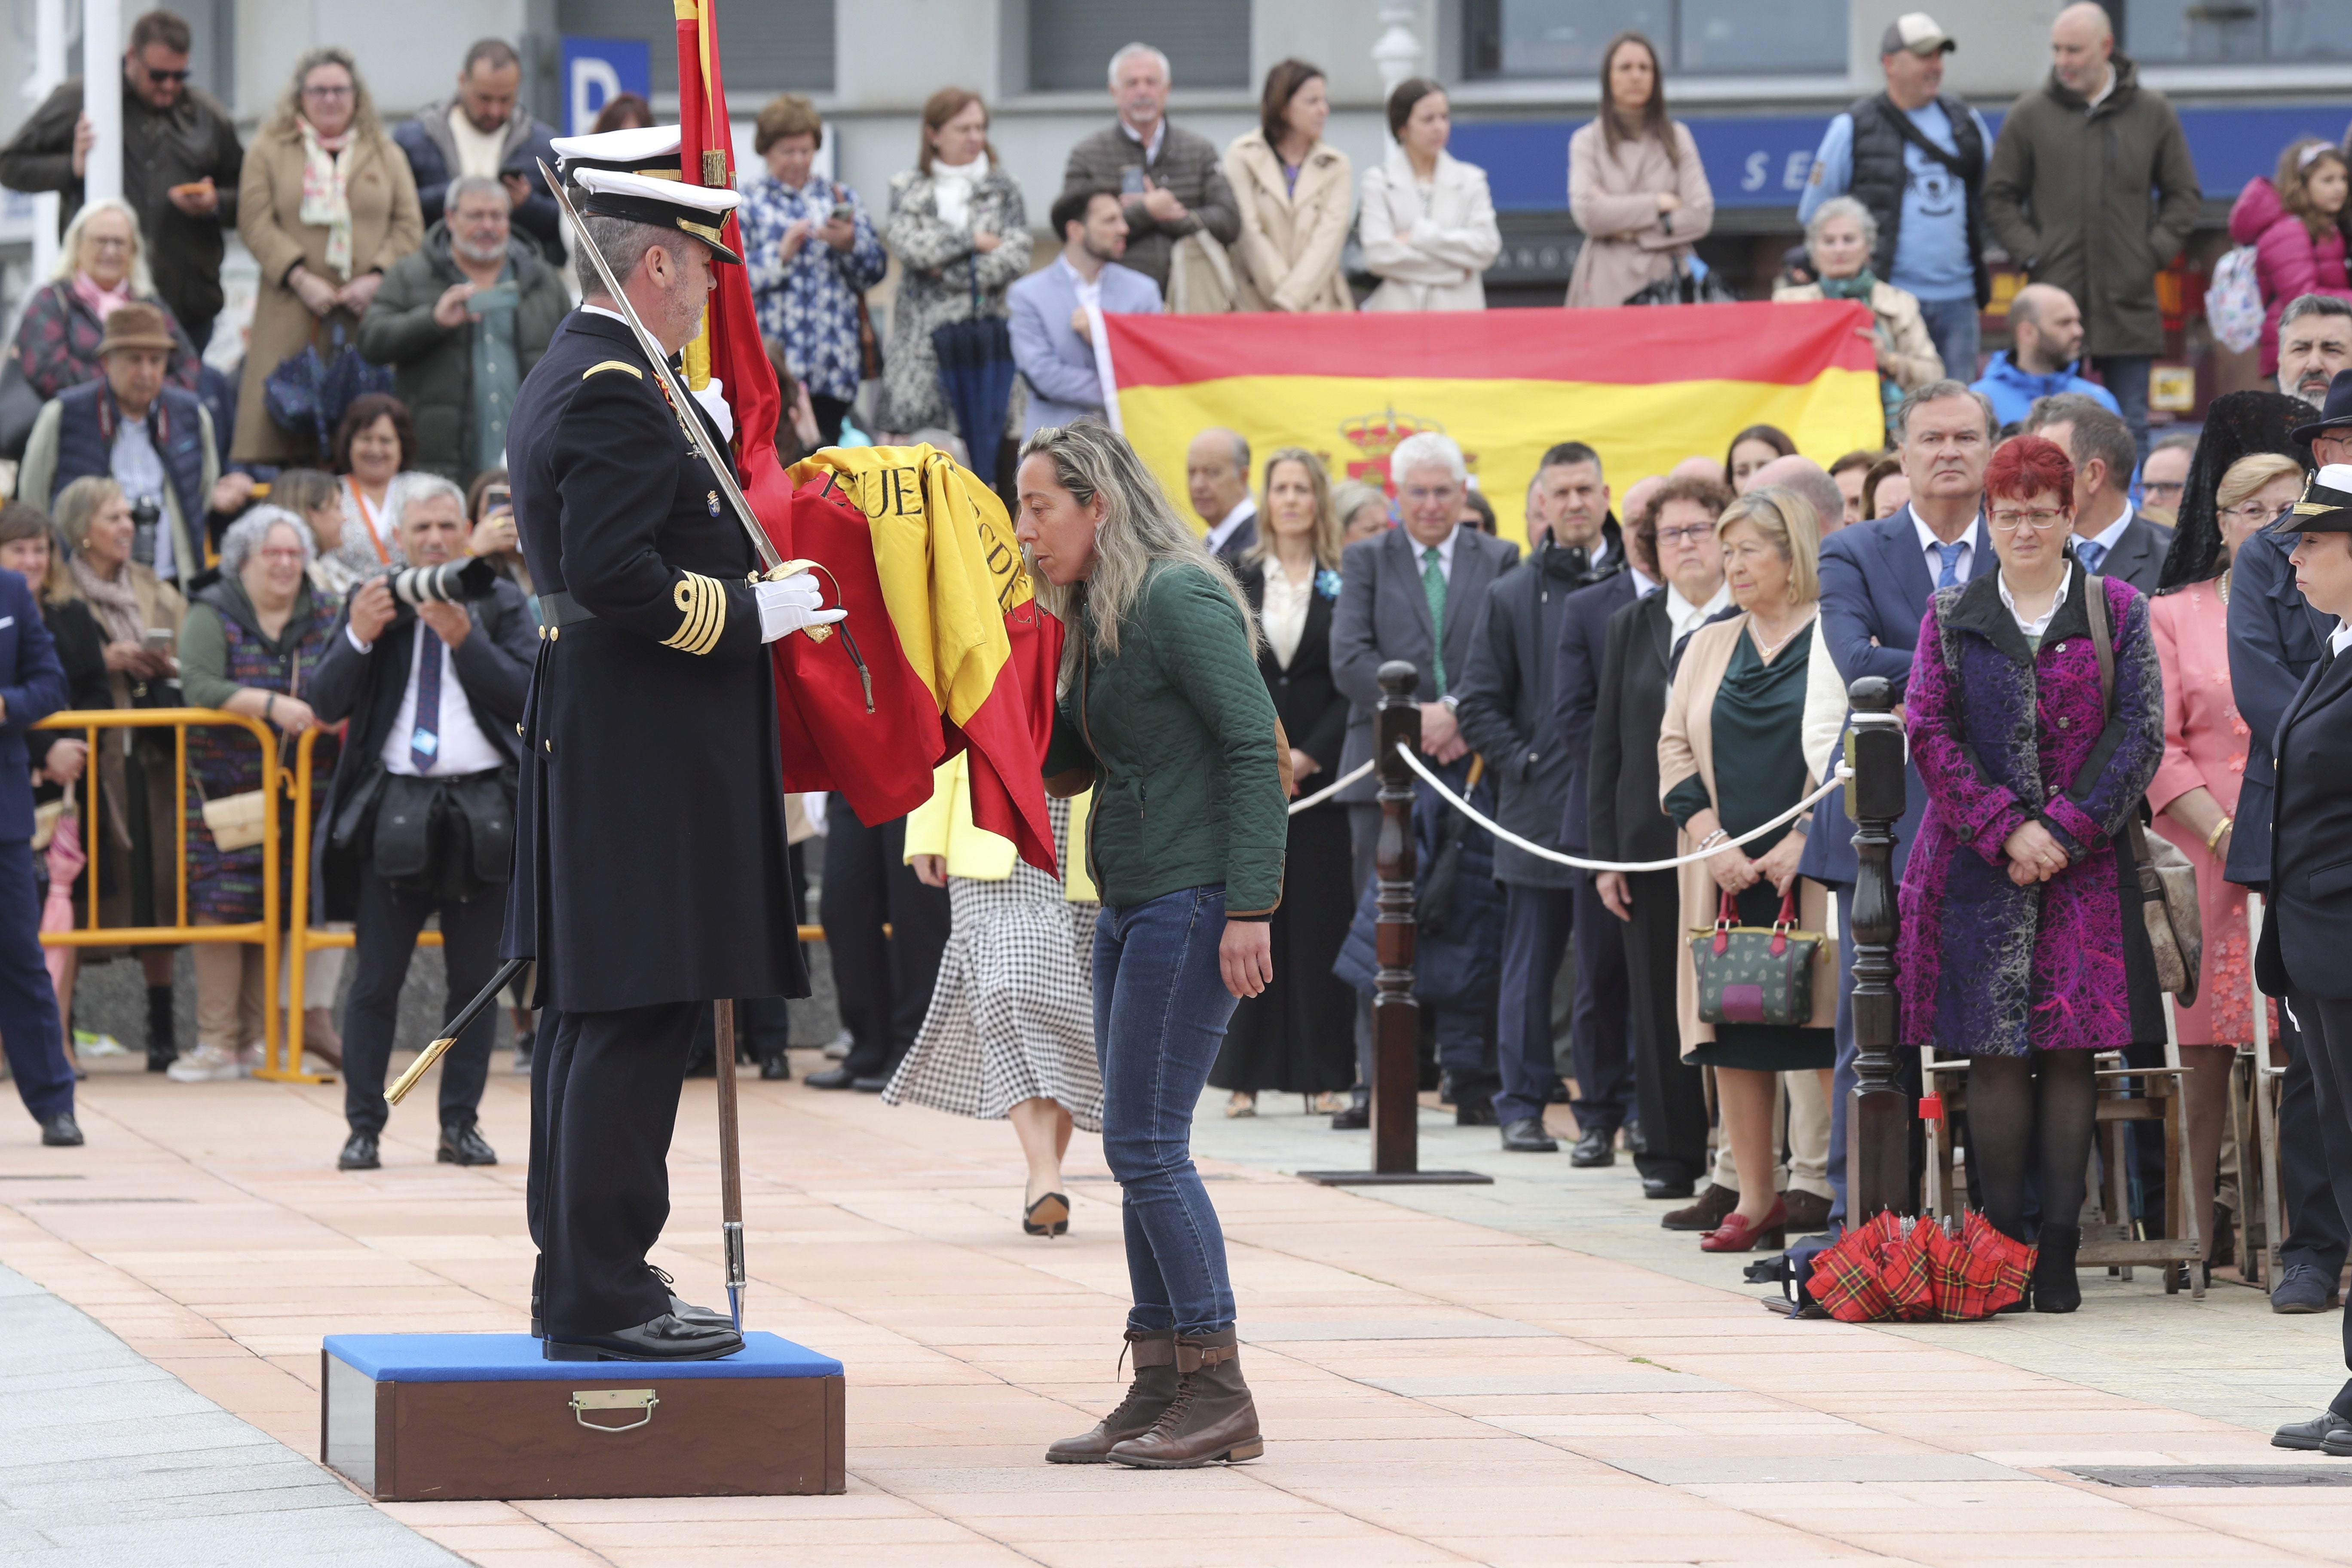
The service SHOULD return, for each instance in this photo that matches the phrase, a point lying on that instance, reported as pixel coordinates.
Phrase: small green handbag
(1755, 974)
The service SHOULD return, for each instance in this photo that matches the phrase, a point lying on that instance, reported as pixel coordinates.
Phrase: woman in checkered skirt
(1011, 1032)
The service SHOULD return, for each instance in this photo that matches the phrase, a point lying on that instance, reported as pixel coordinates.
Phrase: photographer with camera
(431, 665)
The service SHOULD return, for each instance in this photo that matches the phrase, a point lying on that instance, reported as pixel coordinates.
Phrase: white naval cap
(698, 210)
(641, 150)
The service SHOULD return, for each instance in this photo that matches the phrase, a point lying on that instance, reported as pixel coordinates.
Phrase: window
(1071, 42)
(2219, 32)
(771, 45)
(1563, 39)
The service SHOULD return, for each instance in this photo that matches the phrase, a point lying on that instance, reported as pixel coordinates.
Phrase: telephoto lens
(451, 583)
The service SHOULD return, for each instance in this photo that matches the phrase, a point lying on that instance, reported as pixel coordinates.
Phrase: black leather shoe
(1355, 1116)
(775, 1065)
(1528, 1136)
(2313, 1435)
(1660, 1187)
(832, 1078)
(685, 1311)
(61, 1132)
(666, 1338)
(1596, 1148)
(869, 1085)
(465, 1146)
(358, 1153)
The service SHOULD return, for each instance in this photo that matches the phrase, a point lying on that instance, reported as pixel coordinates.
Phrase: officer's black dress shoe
(685, 1311)
(465, 1146)
(61, 1132)
(358, 1153)
(1526, 1136)
(666, 1338)
(1596, 1148)
(832, 1078)
(2317, 1434)
(1477, 1112)
(1354, 1117)
(1661, 1187)
(775, 1065)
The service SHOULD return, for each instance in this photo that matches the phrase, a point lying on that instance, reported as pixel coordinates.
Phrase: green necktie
(1433, 587)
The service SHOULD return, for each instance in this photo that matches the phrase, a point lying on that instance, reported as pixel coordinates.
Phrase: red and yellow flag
(951, 653)
(1646, 387)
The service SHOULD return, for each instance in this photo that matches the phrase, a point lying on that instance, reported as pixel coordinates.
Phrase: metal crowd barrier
(276, 1063)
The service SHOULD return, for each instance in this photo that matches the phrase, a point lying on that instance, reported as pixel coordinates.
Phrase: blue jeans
(2126, 376)
(1161, 1011)
(1952, 324)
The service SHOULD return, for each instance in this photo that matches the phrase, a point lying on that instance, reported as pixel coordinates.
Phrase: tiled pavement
(1524, 1374)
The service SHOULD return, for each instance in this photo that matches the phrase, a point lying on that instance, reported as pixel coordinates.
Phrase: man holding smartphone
(462, 319)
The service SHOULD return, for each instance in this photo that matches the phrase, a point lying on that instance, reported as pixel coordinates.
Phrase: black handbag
(1682, 289)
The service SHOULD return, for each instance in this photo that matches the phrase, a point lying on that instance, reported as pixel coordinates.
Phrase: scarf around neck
(953, 185)
(114, 602)
(326, 198)
(102, 303)
(1857, 286)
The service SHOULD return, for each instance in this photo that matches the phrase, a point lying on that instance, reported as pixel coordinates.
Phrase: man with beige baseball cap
(1917, 161)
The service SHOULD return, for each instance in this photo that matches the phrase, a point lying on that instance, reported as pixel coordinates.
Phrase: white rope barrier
(1500, 831)
(1333, 787)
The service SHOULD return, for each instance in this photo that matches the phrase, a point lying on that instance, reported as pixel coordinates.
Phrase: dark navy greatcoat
(650, 862)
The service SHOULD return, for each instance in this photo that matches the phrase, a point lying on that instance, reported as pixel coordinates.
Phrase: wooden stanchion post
(1878, 1119)
(1396, 1014)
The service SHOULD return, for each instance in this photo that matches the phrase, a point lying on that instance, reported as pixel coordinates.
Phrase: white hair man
(644, 893)
(1168, 178)
(1414, 594)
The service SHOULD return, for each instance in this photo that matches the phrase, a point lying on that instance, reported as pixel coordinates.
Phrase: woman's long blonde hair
(1327, 533)
(289, 112)
(142, 286)
(1139, 528)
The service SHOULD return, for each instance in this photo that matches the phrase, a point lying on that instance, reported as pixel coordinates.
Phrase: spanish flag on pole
(951, 653)
(1644, 387)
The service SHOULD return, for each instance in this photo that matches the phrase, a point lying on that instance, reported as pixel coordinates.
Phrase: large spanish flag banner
(1644, 387)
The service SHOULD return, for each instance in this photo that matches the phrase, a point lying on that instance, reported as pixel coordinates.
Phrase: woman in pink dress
(2195, 790)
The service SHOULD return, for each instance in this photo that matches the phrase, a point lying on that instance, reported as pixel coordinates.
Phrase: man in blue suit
(32, 687)
(1876, 579)
(1057, 311)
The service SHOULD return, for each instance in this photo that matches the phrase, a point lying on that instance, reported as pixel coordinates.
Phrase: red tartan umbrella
(1893, 1269)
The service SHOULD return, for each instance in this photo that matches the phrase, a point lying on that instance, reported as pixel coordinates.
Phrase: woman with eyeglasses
(326, 203)
(2196, 796)
(2019, 949)
(101, 263)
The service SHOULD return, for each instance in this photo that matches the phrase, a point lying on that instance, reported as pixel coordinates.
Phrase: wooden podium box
(439, 1417)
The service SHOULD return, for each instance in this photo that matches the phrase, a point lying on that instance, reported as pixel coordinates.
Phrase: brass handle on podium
(583, 1400)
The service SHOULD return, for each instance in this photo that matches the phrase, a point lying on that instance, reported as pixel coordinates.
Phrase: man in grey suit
(1411, 594)
(2111, 538)
(1057, 311)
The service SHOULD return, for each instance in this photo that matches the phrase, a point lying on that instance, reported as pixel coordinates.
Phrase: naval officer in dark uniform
(2307, 927)
(650, 866)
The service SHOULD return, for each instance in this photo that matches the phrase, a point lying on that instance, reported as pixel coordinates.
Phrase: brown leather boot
(1147, 1396)
(1212, 1418)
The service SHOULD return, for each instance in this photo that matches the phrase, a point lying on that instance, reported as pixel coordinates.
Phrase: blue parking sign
(598, 71)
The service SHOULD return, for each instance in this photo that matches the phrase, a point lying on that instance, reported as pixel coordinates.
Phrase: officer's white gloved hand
(791, 605)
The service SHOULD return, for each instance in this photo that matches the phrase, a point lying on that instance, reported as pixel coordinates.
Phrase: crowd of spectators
(1664, 670)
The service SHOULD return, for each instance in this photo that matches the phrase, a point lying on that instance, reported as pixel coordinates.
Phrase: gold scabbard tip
(417, 1069)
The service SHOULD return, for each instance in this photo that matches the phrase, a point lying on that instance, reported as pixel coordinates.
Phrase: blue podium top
(516, 1358)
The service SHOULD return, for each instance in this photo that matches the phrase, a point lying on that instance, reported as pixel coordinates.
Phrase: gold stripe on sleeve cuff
(703, 604)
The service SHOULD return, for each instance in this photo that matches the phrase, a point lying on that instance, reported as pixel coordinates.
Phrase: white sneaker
(206, 1064)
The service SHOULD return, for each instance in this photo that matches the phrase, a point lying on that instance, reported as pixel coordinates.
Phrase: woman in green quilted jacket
(1164, 716)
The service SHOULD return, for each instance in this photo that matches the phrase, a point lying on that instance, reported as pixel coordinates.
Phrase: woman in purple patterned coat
(2016, 950)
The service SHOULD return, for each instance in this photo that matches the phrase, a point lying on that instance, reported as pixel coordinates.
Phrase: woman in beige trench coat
(1295, 191)
(1427, 221)
(1635, 187)
(326, 204)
